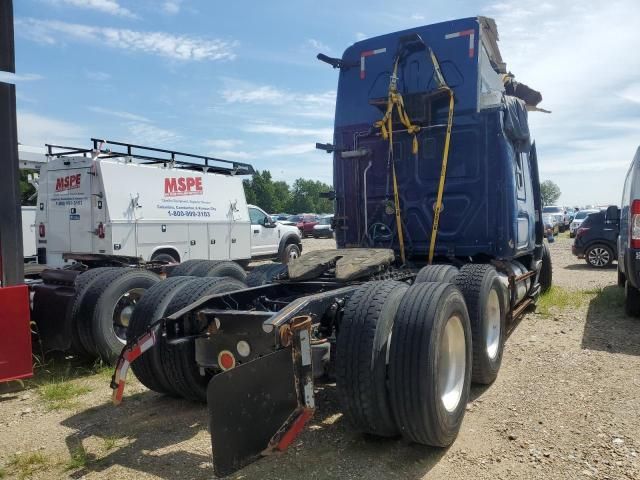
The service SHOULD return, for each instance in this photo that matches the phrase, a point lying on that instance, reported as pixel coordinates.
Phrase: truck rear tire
(152, 307)
(430, 363)
(185, 269)
(219, 268)
(361, 356)
(264, 274)
(179, 361)
(114, 306)
(81, 285)
(631, 300)
(483, 293)
(437, 273)
(546, 270)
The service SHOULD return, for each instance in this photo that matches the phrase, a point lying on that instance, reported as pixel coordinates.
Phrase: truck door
(69, 211)
(264, 240)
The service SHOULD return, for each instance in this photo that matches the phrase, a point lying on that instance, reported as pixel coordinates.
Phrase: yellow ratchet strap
(443, 174)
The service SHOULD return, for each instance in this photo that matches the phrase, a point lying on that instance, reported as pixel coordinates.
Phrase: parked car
(324, 229)
(563, 218)
(577, 221)
(280, 217)
(629, 240)
(551, 227)
(597, 238)
(305, 223)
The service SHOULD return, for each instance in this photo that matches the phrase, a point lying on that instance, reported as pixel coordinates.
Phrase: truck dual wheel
(164, 257)
(178, 360)
(437, 273)
(546, 271)
(361, 361)
(264, 274)
(219, 268)
(184, 269)
(109, 305)
(430, 363)
(152, 307)
(483, 292)
(82, 284)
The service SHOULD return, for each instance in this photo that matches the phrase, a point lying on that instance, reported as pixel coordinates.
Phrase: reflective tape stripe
(365, 54)
(464, 33)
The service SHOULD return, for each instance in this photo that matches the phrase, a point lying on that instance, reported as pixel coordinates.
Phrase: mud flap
(247, 406)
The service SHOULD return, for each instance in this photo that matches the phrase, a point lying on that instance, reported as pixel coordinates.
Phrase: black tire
(115, 295)
(598, 256)
(264, 274)
(185, 269)
(290, 252)
(483, 293)
(414, 360)
(81, 285)
(219, 268)
(361, 354)
(178, 360)
(151, 307)
(164, 257)
(622, 279)
(631, 300)
(546, 270)
(437, 273)
(87, 307)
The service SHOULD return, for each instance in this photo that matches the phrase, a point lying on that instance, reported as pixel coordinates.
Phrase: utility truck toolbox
(440, 251)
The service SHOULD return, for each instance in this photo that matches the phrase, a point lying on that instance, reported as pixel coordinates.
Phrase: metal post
(11, 253)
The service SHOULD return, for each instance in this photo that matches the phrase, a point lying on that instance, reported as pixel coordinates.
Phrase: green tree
(27, 190)
(550, 192)
(305, 197)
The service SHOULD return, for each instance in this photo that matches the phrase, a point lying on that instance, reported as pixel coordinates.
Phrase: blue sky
(240, 80)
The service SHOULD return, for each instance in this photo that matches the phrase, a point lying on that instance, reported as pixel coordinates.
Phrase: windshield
(551, 210)
(325, 221)
(583, 214)
(295, 218)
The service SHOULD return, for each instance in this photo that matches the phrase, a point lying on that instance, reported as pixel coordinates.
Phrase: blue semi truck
(440, 251)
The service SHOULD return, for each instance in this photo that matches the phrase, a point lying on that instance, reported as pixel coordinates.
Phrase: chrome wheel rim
(293, 254)
(492, 326)
(123, 311)
(598, 257)
(452, 363)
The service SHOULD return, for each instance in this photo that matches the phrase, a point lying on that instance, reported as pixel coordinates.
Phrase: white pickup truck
(151, 204)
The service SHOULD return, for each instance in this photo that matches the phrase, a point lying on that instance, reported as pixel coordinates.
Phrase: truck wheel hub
(123, 311)
(492, 325)
(452, 363)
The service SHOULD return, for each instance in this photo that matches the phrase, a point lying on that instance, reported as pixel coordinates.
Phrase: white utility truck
(130, 204)
(111, 218)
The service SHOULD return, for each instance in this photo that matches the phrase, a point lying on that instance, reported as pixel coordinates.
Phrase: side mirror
(613, 214)
(268, 223)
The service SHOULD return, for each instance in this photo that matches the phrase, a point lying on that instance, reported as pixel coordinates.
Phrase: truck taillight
(41, 230)
(100, 230)
(634, 227)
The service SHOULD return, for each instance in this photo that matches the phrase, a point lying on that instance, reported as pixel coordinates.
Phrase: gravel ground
(565, 405)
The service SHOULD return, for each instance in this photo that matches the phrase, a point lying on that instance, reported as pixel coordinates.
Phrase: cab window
(257, 217)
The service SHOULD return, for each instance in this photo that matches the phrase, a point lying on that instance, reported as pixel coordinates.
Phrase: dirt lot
(565, 405)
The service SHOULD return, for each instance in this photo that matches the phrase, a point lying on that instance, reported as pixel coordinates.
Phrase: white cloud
(233, 155)
(292, 149)
(171, 7)
(360, 36)
(17, 78)
(151, 135)
(574, 55)
(178, 47)
(318, 45)
(110, 7)
(119, 114)
(97, 76)
(268, 128)
(417, 16)
(223, 143)
(36, 130)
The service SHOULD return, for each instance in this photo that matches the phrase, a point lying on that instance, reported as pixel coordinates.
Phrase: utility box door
(198, 241)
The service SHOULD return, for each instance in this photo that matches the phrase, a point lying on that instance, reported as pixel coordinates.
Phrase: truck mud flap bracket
(260, 407)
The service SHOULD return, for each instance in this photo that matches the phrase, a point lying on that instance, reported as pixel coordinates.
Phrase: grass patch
(61, 393)
(111, 442)
(26, 464)
(607, 298)
(3, 472)
(561, 299)
(79, 458)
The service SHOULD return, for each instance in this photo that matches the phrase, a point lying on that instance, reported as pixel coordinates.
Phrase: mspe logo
(174, 186)
(70, 182)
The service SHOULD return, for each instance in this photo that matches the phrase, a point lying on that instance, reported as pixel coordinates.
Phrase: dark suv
(597, 238)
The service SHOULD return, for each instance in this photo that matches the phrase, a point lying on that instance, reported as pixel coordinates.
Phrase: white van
(134, 204)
